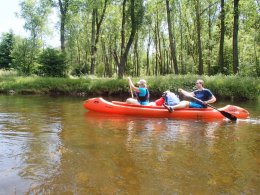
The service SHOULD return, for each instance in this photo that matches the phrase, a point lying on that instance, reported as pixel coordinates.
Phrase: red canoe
(115, 107)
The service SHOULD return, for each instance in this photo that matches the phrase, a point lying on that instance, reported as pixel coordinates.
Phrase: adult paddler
(201, 93)
(142, 93)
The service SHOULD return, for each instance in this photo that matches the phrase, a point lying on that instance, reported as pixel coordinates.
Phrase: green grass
(222, 86)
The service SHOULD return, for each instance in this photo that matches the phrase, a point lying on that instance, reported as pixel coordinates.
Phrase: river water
(52, 145)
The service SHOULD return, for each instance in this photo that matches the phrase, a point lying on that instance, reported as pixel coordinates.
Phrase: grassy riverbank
(222, 86)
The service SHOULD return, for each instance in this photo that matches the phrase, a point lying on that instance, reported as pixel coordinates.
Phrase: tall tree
(235, 37)
(179, 4)
(148, 72)
(35, 13)
(93, 37)
(64, 8)
(96, 27)
(136, 17)
(211, 17)
(171, 38)
(222, 36)
(198, 24)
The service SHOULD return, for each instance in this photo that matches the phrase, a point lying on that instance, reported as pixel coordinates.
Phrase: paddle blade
(228, 115)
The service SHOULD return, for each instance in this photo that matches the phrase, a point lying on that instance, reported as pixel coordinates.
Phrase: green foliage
(24, 57)
(222, 86)
(35, 14)
(53, 63)
(6, 47)
(151, 25)
(236, 87)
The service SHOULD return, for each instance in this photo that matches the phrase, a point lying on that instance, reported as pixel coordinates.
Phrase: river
(52, 145)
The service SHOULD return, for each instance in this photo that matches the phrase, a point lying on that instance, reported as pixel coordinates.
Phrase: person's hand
(205, 103)
(129, 78)
(180, 90)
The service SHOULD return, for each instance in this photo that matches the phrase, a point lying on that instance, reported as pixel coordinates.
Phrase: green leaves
(6, 47)
(53, 63)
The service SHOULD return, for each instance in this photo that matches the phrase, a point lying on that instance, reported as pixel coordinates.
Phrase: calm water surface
(54, 146)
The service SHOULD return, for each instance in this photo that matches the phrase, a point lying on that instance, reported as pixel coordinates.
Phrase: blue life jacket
(170, 99)
(143, 95)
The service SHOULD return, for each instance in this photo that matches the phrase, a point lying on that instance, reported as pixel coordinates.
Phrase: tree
(136, 15)
(96, 26)
(64, 8)
(35, 13)
(171, 38)
(53, 63)
(222, 36)
(198, 24)
(23, 60)
(6, 48)
(235, 37)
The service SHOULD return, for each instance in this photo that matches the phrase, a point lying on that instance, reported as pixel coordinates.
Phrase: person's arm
(132, 85)
(211, 100)
(186, 93)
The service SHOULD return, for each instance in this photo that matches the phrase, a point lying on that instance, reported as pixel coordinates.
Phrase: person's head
(142, 83)
(199, 83)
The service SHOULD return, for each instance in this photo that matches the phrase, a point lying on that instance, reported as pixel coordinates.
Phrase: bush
(236, 87)
(53, 63)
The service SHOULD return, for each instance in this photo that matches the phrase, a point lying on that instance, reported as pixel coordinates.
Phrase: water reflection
(52, 146)
(202, 156)
(29, 143)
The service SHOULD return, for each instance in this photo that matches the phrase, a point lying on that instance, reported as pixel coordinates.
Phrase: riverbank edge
(227, 87)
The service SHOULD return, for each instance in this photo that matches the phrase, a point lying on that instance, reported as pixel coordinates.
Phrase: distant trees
(137, 37)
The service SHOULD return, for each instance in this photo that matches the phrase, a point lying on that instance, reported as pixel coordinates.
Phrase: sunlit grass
(8, 73)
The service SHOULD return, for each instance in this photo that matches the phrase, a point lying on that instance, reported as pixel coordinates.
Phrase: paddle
(131, 90)
(224, 113)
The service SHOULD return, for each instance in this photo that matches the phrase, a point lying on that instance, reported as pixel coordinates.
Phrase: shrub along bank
(222, 86)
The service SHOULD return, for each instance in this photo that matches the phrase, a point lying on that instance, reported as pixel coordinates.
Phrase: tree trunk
(96, 27)
(134, 27)
(164, 68)
(222, 35)
(210, 38)
(257, 64)
(159, 44)
(117, 60)
(148, 54)
(156, 49)
(62, 33)
(136, 55)
(171, 38)
(235, 37)
(93, 38)
(181, 35)
(79, 52)
(197, 7)
(63, 11)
